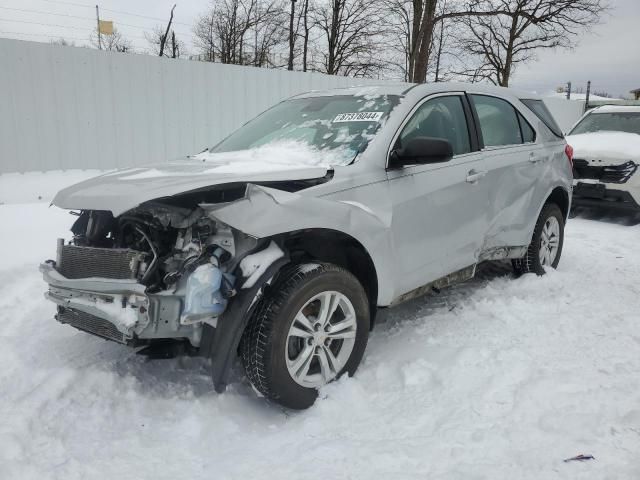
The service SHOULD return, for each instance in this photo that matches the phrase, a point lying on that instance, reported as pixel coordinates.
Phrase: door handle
(474, 175)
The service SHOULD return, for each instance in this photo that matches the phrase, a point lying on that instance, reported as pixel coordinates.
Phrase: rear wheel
(546, 244)
(310, 328)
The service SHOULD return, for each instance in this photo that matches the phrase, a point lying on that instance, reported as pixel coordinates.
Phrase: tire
(273, 345)
(550, 216)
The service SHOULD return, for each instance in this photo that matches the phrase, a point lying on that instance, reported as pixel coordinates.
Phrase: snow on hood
(605, 146)
(275, 156)
(122, 190)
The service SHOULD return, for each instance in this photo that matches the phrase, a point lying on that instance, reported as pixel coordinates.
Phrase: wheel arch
(339, 248)
(559, 196)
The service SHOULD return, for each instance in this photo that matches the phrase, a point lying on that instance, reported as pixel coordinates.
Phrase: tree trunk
(415, 35)
(305, 44)
(292, 42)
(439, 53)
(508, 62)
(422, 40)
(163, 39)
(333, 36)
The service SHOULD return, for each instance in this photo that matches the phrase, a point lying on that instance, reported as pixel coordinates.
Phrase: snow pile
(281, 155)
(605, 145)
(499, 378)
(33, 187)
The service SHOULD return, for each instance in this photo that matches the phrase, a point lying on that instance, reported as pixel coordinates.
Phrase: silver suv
(281, 243)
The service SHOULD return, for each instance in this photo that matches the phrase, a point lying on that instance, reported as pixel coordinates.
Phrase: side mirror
(420, 151)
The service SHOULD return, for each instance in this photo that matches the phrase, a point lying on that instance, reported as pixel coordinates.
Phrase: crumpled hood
(123, 190)
(606, 148)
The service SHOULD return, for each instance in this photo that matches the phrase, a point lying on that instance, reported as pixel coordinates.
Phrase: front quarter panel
(265, 212)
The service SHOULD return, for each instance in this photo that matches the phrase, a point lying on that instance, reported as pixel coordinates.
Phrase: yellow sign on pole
(106, 27)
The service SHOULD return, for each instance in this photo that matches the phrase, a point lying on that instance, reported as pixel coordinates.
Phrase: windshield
(628, 122)
(342, 125)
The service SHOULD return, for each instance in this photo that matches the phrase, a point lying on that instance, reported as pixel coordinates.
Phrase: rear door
(515, 164)
(439, 210)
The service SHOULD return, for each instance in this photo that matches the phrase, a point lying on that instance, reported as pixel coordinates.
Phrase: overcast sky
(609, 56)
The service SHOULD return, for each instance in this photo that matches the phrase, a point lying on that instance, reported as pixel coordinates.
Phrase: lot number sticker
(358, 117)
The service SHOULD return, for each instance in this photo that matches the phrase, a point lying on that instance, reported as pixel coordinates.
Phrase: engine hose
(154, 263)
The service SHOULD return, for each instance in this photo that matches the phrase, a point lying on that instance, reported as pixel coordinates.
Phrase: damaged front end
(167, 269)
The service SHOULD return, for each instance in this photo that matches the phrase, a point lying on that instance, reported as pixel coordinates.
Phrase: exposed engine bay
(179, 264)
(173, 236)
(172, 241)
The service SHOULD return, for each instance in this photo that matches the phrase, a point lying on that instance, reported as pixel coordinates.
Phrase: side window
(528, 133)
(441, 117)
(542, 112)
(498, 121)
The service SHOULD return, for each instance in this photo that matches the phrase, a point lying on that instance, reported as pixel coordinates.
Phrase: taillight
(568, 150)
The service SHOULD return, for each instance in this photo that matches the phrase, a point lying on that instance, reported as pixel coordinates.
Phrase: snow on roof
(617, 109)
(582, 96)
(401, 88)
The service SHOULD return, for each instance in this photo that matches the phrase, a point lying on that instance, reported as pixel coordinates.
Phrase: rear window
(542, 112)
(498, 121)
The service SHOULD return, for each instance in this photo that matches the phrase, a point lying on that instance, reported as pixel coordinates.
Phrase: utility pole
(586, 102)
(98, 23)
(568, 90)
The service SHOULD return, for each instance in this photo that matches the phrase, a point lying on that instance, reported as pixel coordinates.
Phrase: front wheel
(311, 327)
(546, 244)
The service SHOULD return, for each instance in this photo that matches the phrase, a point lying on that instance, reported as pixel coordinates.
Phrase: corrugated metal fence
(66, 107)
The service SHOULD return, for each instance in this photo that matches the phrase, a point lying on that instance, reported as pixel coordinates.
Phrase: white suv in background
(606, 155)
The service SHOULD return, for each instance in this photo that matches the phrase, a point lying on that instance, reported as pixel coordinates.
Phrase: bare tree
(268, 31)
(292, 37)
(299, 29)
(398, 24)
(243, 32)
(176, 49)
(206, 36)
(306, 29)
(440, 44)
(498, 44)
(353, 38)
(415, 23)
(114, 42)
(63, 42)
(165, 37)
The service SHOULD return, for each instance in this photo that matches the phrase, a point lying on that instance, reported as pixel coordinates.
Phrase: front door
(438, 210)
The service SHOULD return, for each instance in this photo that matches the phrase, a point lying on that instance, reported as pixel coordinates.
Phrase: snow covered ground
(501, 378)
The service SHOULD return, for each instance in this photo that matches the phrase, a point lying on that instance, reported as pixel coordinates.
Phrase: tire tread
(254, 346)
